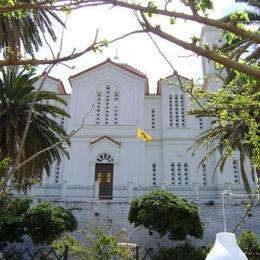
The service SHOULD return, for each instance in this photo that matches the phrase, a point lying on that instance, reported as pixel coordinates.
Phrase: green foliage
(203, 5)
(16, 95)
(46, 223)
(4, 164)
(25, 28)
(235, 109)
(100, 246)
(181, 252)
(165, 213)
(152, 7)
(12, 212)
(43, 222)
(249, 244)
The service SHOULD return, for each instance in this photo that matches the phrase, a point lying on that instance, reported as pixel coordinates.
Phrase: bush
(164, 213)
(43, 223)
(46, 223)
(12, 212)
(181, 252)
(249, 244)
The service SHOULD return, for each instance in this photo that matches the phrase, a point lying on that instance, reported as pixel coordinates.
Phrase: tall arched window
(182, 111)
(98, 108)
(236, 172)
(116, 100)
(204, 174)
(173, 174)
(154, 174)
(176, 106)
(153, 118)
(170, 111)
(200, 123)
(177, 116)
(57, 173)
(179, 173)
(107, 105)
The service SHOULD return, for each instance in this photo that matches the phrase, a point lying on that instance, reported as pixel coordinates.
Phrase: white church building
(108, 161)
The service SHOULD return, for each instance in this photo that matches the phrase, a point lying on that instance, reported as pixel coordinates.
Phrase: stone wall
(101, 213)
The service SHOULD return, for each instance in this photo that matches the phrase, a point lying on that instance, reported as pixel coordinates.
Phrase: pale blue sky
(137, 50)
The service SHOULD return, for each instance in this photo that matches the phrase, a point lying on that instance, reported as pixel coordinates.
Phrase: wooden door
(104, 175)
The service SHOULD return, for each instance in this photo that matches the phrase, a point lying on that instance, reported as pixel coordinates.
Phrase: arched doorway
(104, 175)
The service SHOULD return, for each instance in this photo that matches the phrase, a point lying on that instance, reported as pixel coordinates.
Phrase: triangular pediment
(105, 137)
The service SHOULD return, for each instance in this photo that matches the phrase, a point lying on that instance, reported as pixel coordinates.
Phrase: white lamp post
(226, 248)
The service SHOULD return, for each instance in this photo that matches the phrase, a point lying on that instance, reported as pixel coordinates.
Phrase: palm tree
(16, 94)
(239, 47)
(235, 125)
(25, 30)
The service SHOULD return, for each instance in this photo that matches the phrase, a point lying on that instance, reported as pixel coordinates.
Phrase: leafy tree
(193, 11)
(100, 246)
(25, 29)
(43, 222)
(46, 223)
(164, 213)
(12, 212)
(235, 107)
(180, 252)
(16, 94)
(250, 244)
(236, 122)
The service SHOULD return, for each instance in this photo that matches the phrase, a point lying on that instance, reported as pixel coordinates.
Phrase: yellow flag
(143, 135)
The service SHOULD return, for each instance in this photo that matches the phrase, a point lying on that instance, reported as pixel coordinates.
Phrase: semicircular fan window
(105, 158)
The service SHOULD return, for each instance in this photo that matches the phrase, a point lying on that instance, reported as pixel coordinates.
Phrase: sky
(136, 50)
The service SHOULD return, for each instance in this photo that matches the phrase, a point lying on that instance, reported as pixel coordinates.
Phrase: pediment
(105, 138)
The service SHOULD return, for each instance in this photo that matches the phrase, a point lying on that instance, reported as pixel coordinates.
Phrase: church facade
(108, 161)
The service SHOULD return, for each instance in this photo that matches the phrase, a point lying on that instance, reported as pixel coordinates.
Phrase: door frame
(105, 180)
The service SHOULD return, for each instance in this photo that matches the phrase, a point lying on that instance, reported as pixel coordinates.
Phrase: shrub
(163, 212)
(12, 212)
(249, 244)
(46, 223)
(181, 252)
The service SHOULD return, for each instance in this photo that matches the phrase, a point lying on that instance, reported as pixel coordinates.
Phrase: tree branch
(209, 54)
(73, 132)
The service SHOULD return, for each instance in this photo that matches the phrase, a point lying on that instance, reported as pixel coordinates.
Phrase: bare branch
(210, 54)
(59, 5)
(73, 132)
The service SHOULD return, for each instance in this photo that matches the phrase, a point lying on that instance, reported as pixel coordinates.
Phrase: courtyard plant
(166, 213)
(42, 222)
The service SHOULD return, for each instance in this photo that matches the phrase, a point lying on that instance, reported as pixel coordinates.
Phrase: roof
(119, 65)
(61, 87)
(159, 85)
(105, 137)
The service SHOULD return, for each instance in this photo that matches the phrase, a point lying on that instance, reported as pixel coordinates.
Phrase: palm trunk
(244, 175)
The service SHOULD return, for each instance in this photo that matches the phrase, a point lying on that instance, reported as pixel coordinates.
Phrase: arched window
(173, 174)
(57, 173)
(153, 117)
(182, 111)
(116, 100)
(170, 111)
(200, 123)
(107, 103)
(176, 106)
(98, 108)
(204, 174)
(105, 158)
(154, 174)
(236, 172)
(186, 176)
(179, 173)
